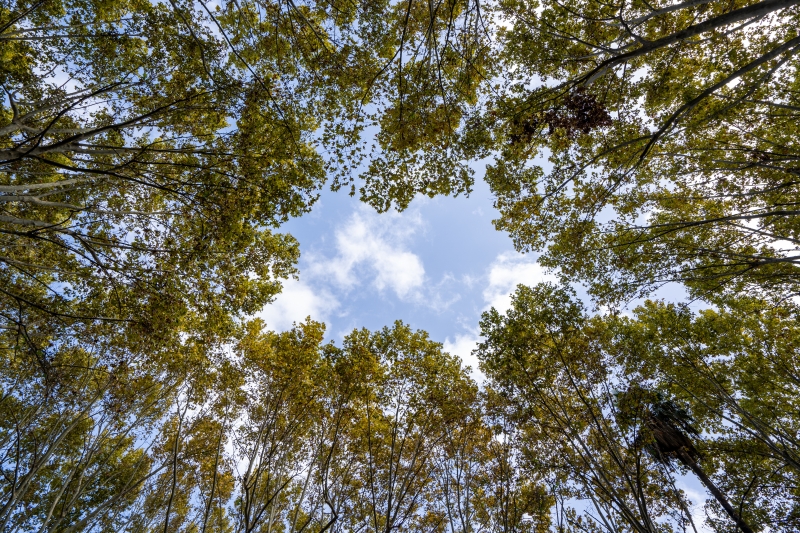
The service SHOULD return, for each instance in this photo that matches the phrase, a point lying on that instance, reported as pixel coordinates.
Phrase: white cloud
(508, 271)
(439, 296)
(374, 246)
(462, 346)
(297, 301)
(504, 274)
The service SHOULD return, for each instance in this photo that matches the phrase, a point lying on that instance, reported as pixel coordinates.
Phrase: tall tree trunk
(721, 498)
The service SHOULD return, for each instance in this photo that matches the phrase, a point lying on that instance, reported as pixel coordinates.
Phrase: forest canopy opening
(152, 152)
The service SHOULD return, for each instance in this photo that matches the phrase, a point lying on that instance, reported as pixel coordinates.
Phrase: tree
(667, 435)
(735, 368)
(670, 134)
(417, 398)
(611, 407)
(78, 418)
(149, 151)
(148, 154)
(143, 171)
(260, 431)
(541, 359)
(511, 494)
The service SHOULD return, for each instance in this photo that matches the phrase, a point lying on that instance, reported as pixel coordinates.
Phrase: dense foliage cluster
(151, 150)
(694, 178)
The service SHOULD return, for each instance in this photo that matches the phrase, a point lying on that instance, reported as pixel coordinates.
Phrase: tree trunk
(721, 498)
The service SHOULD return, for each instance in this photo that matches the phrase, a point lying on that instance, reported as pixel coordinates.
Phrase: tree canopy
(669, 131)
(614, 409)
(151, 151)
(155, 148)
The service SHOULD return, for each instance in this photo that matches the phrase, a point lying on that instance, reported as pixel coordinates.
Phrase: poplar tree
(641, 143)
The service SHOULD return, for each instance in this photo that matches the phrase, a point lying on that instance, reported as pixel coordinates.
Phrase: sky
(436, 266)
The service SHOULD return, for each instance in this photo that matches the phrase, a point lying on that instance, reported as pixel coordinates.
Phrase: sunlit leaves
(691, 180)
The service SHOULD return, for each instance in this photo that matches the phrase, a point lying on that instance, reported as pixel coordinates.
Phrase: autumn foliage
(150, 153)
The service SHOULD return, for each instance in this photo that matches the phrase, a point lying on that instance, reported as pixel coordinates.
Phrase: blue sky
(436, 266)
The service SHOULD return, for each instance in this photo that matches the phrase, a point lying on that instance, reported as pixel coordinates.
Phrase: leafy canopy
(646, 142)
